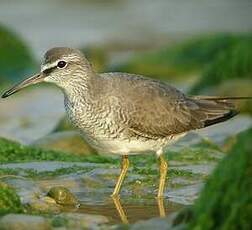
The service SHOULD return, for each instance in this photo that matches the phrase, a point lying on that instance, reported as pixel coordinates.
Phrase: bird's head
(62, 66)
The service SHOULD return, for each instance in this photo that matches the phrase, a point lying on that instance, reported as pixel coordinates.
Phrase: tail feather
(215, 98)
(214, 110)
(223, 118)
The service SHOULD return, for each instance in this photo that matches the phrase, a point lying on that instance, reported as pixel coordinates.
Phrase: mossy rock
(181, 59)
(234, 62)
(9, 200)
(11, 151)
(16, 59)
(226, 200)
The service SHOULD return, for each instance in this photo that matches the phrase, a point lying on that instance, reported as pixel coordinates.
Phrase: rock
(185, 195)
(154, 223)
(44, 205)
(31, 114)
(219, 133)
(9, 200)
(63, 196)
(84, 221)
(16, 59)
(225, 202)
(67, 141)
(23, 222)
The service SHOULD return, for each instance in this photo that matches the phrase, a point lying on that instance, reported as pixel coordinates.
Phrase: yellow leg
(163, 171)
(124, 169)
(120, 210)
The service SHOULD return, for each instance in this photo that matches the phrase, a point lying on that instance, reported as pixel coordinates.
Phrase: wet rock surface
(92, 184)
(24, 222)
(83, 221)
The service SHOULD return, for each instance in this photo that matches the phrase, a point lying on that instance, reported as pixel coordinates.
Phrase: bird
(124, 113)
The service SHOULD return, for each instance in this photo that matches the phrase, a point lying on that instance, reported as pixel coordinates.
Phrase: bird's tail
(217, 109)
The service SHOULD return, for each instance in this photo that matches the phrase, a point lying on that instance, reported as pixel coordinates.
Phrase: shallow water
(93, 185)
(133, 211)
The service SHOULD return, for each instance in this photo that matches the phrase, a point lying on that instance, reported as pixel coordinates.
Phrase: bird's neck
(80, 89)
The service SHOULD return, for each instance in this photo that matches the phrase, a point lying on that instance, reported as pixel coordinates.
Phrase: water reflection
(124, 211)
(120, 210)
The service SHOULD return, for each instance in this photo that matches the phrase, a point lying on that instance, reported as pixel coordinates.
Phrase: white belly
(131, 147)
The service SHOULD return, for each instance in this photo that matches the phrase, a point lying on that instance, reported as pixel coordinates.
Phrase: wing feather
(156, 110)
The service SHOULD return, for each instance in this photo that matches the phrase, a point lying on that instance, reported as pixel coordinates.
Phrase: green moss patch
(9, 200)
(233, 62)
(226, 200)
(196, 155)
(11, 151)
(180, 59)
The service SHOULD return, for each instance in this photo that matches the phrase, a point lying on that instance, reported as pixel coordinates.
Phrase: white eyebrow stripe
(48, 66)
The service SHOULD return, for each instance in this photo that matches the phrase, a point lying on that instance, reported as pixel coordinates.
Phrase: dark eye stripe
(49, 70)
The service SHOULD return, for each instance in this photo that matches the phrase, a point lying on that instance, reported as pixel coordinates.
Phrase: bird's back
(153, 109)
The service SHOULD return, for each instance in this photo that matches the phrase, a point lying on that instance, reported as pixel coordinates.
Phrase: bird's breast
(93, 120)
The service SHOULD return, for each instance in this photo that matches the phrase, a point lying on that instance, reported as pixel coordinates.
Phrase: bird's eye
(61, 64)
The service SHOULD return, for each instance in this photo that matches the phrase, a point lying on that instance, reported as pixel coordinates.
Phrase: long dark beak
(29, 81)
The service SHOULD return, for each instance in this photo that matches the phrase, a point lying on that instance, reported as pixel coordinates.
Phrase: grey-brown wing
(163, 111)
(164, 116)
(155, 110)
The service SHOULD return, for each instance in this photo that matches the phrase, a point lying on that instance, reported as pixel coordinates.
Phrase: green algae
(59, 221)
(9, 200)
(16, 59)
(33, 173)
(234, 62)
(11, 151)
(141, 164)
(225, 202)
(186, 58)
(196, 155)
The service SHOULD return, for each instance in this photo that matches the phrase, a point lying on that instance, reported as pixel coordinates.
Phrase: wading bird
(122, 113)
